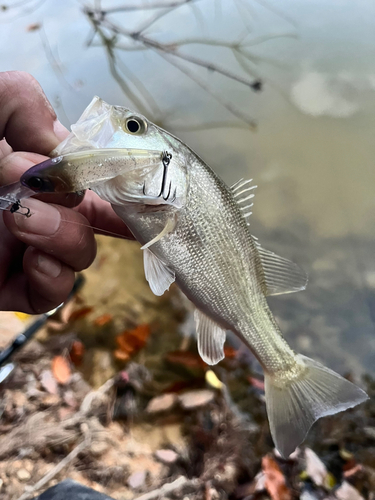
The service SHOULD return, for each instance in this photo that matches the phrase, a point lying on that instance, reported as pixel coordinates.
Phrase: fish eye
(135, 125)
(38, 184)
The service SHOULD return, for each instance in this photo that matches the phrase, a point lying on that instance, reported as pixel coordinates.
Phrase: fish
(194, 231)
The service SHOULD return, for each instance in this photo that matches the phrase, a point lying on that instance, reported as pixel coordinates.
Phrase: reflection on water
(312, 155)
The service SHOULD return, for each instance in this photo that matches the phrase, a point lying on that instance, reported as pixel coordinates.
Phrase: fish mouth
(44, 178)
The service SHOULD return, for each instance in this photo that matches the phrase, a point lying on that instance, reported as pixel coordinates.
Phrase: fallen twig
(59, 467)
(168, 488)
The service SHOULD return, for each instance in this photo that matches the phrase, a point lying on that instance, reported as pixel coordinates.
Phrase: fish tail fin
(293, 405)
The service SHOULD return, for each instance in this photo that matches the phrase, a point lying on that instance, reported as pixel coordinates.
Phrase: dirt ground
(112, 393)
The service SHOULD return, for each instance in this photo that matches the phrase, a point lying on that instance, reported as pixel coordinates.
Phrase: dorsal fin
(242, 193)
(280, 275)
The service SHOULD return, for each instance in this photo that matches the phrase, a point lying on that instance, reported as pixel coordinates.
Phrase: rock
(167, 457)
(23, 475)
(48, 382)
(71, 490)
(195, 399)
(161, 403)
(347, 492)
(315, 468)
(98, 448)
(137, 479)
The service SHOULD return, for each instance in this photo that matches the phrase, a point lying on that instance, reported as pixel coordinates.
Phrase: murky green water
(312, 155)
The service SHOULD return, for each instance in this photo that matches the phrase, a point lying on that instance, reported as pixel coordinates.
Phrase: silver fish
(195, 231)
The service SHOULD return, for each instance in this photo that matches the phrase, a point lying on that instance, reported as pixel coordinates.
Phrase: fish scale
(200, 239)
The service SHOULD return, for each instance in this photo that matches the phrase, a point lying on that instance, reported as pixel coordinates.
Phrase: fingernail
(44, 219)
(48, 265)
(60, 131)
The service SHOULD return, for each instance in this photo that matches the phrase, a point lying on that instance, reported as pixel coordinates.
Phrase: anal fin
(211, 338)
(280, 275)
(157, 274)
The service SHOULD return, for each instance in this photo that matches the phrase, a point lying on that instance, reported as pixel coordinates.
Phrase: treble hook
(16, 206)
(166, 159)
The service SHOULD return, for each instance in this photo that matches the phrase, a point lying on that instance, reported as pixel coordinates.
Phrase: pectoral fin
(170, 225)
(157, 274)
(280, 275)
(211, 338)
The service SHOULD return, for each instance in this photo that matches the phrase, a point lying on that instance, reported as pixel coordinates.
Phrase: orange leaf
(76, 353)
(80, 313)
(131, 341)
(103, 320)
(275, 480)
(121, 355)
(61, 369)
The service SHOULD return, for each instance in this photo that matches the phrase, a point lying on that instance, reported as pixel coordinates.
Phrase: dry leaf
(275, 480)
(229, 352)
(131, 341)
(103, 319)
(61, 369)
(186, 358)
(76, 352)
(80, 313)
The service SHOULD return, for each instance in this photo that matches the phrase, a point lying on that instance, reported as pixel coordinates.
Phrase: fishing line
(110, 233)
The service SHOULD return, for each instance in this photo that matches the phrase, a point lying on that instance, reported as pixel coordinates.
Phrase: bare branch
(254, 85)
(152, 6)
(226, 104)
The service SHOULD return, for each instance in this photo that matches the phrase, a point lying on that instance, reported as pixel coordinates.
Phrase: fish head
(104, 126)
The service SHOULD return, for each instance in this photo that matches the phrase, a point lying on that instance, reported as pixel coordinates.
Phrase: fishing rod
(24, 337)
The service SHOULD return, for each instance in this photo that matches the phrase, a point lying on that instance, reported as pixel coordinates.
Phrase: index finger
(27, 119)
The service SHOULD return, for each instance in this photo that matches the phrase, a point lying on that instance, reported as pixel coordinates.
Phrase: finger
(15, 164)
(101, 216)
(42, 286)
(27, 121)
(55, 230)
(49, 281)
(5, 149)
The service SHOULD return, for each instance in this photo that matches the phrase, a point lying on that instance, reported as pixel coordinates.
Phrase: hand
(40, 254)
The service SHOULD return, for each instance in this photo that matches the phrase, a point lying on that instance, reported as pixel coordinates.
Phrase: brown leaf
(229, 352)
(76, 352)
(61, 369)
(275, 480)
(103, 319)
(185, 358)
(80, 313)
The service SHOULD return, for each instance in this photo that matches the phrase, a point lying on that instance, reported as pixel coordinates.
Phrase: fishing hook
(16, 206)
(166, 159)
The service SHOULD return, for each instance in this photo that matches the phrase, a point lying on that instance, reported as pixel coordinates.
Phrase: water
(312, 155)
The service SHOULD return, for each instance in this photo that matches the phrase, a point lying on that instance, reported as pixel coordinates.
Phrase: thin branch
(168, 488)
(111, 58)
(152, 6)
(55, 65)
(226, 104)
(58, 468)
(254, 85)
(139, 85)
